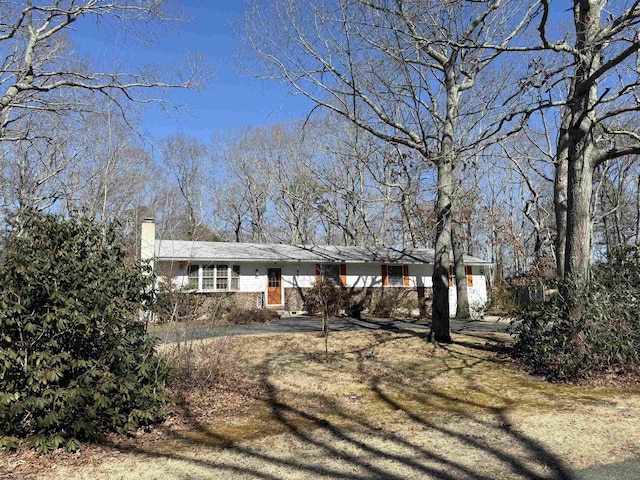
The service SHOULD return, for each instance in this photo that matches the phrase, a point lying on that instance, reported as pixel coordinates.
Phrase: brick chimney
(148, 240)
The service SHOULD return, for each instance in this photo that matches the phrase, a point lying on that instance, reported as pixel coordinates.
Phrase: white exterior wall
(298, 275)
(253, 277)
(177, 272)
(477, 293)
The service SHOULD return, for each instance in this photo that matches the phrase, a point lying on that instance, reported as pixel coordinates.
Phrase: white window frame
(209, 272)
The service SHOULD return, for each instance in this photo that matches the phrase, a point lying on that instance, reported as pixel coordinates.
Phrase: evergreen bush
(74, 359)
(604, 337)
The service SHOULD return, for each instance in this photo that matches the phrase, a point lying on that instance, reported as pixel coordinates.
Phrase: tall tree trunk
(560, 185)
(462, 295)
(578, 249)
(440, 322)
(560, 202)
(582, 148)
(638, 211)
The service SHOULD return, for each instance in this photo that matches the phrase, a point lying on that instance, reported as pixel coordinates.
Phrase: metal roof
(180, 250)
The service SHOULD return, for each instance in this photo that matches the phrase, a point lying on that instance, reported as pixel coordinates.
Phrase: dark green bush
(256, 315)
(588, 330)
(74, 359)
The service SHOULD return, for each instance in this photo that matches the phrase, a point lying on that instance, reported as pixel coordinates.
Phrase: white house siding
(298, 275)
(477, 293)
(253, 277)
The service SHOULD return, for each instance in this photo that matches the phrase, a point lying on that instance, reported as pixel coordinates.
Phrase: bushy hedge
(254, 315)
(588, 330)
(174, 304)
(74, 359)
(325, 298)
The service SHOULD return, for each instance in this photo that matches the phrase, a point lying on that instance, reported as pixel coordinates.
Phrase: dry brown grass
(389, 405)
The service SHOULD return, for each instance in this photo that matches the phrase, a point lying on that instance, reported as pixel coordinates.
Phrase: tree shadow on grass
(391, 431)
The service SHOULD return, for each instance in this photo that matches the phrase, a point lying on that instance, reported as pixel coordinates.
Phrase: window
(193, 274)
(331, 273)
(334, 272)
(210, 278)
(222, 277)
(235, 277)
(395, 275)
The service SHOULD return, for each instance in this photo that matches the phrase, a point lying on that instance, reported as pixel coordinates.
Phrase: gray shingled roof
(238, 252)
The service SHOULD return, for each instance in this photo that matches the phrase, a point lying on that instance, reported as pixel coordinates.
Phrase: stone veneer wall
(411, 301)
(242, 300)
(415, 300)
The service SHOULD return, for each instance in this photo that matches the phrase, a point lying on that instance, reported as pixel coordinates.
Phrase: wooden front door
(274, 286)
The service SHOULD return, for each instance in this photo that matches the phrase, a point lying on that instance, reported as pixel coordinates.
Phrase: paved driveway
(300, 324)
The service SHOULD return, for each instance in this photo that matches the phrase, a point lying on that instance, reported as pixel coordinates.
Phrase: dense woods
(502, 129)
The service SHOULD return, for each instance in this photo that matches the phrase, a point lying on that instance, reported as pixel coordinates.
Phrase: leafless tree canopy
(505, 129)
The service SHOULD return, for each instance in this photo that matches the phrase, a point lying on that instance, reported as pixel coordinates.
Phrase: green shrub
(244, 317)
(74, 359)
(602, 337)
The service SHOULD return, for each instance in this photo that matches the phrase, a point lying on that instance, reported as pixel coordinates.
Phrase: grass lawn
(388, 405)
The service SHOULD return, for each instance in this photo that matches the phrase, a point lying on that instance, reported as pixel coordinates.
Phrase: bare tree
(186, 160)
(530, 155)
(615, 204)
(244, 160)
(349, 203)
(231, 210)
(49, 97)
(39, 75)
(398, 70)
(32, 170)
(112, 174)
(603, 81)
(290, 155)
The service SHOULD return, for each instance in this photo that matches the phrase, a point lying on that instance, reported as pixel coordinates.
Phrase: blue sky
(230, 100)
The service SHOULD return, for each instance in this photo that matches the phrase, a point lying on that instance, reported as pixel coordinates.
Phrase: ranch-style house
(276, 276)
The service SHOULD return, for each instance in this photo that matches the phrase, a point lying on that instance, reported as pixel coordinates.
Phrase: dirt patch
(388, 405)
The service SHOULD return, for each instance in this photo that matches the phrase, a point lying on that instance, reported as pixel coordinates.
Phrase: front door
(274, 286)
